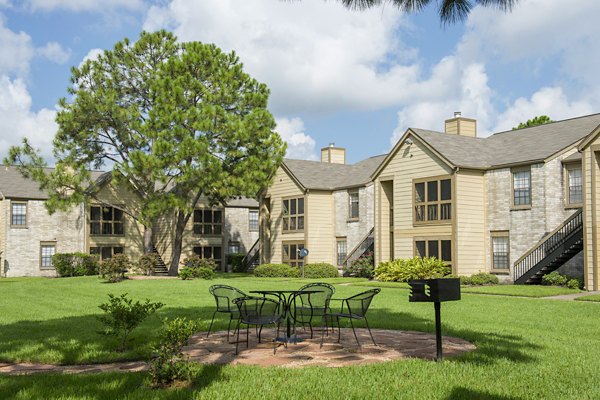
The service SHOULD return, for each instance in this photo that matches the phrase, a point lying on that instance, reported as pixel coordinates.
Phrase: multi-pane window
(106, 220)
(234, 247)
(290, 254)
(500, 250)
(18, 214)
(574, 185)
(432, 200)
(293, 214)
(253, 220)
(209, 252)
(438, 248)
(106, 252)
(353, 205)
(47, 250)
(208, 221)
(342, 250)
(522, 187)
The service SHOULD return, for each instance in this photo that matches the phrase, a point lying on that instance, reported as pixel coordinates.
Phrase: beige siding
(282, 186)
(320, 219)
(591, 182)
(3, 224)
(470, 239)
(409, 162)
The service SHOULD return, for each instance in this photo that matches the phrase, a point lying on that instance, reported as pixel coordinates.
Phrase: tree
(539, 120)
(450, 11)
(173, 121)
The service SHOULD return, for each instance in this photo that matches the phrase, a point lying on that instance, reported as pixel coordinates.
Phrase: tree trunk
(177, 242)
(148, 233)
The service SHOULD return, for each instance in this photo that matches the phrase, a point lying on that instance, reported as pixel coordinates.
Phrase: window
(234, 247)
(574, 185)
(438, 248)
(432, 200)
(500, 250)
(290, 253)
(18, 214)
(106, 252)
(106, 221)
(522, 188)
(342, 251)
(253, 220)
(208, 221)
(293, 214)
(47, 250)
(209, 252)
(353, 210)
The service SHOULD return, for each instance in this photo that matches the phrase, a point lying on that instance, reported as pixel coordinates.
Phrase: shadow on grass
(461, 393)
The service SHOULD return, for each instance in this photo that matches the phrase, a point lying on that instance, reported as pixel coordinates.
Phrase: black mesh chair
(258, 311)
(356, 307)
(224, 296)
(309, 307)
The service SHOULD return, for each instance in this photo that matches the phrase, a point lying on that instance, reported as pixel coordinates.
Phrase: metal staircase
(160, 268)
(550, 253)
(366, 244)
(252, 258)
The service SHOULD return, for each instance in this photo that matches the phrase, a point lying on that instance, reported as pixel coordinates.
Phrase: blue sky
(358, 79)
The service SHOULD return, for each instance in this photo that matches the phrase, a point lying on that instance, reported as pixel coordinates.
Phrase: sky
(358, 79)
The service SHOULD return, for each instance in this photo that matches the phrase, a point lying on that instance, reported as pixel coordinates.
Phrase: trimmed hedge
(320, 270)
(75, 264)
(235, 259)
(362, 267)
(479, 279)
(276, 271)
(405, 270)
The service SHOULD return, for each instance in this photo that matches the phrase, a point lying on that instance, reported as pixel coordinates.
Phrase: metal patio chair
(309, 307)
(258, 311)
(356, 308)
(224, 297)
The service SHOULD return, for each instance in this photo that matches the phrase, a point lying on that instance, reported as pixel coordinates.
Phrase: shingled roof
(511, 147)
(328, 176)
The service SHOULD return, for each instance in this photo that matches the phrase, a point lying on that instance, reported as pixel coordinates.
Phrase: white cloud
(83, 5)
(300, 145)
(18, 121)
(54, 52)
(16, 51)
(316, 56)
(91, 55)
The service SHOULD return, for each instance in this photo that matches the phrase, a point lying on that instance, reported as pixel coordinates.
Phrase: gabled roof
(528, 145)
(318, 175)
(14, 185)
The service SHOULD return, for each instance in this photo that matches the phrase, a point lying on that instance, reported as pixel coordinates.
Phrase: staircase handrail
(251, 253)
(548, 243)
(357, 247)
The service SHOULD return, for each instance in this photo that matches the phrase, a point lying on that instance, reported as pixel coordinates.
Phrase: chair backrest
(358, 305)
(259, 310)
(224, 296)
(319, 299)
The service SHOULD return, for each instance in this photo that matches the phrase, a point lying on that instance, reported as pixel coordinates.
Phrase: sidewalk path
(570, 296)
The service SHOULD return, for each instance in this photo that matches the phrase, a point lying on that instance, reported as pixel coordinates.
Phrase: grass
(592, 297)
(527, 348)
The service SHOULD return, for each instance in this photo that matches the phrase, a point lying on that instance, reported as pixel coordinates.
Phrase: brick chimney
(333, 155)
(460, 125)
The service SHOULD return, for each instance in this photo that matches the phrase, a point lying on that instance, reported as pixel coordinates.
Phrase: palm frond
(360, 4)
(452, 11)
(504, 5)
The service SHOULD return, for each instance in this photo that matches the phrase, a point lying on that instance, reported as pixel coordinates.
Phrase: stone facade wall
(237, 228)
(21, 255)
(527, 227)
(354, 231)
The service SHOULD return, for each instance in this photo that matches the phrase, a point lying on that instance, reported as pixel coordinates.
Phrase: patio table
(286, 297)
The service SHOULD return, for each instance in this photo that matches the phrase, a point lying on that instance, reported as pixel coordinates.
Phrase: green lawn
(591, 297)
(528, 348)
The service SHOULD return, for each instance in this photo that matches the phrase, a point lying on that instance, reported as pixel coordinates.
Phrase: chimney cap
(331, 144)
(457, 114)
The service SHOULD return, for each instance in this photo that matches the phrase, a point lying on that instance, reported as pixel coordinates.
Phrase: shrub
(196, 267)
(113, 269)
(75, 264)
(169, 364)
(320, 270)
(405, 270)
(554, 279)
(479, 279)
(122, 316)
(235, 259)
(197, 262)
(276, 271)
(574, 284)
(204, 273)
(186, 273)
(362, 267)
(146, 263)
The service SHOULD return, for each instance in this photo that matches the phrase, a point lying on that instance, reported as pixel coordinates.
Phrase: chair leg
(367, 322)
(237, 342)
(211, 324)
(339, 329)
(229, 326)
(324, 325)
(248, 336)
(259, 333)
(354, 331)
